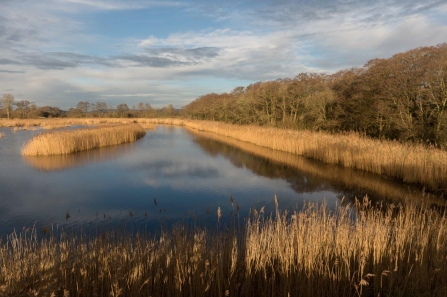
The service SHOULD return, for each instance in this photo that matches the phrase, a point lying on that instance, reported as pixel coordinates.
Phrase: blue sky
(59, 52)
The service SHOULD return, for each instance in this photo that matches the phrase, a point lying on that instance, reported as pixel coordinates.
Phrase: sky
(60, 52)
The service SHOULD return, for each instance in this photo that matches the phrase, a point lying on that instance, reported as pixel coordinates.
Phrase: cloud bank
(63, 51)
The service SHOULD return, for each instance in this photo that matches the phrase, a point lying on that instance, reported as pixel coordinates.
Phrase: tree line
(24, 109)
(401, 98)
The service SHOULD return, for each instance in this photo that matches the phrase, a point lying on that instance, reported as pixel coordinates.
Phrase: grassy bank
(71, 141)
(410, 163)
(54, 123)
(343, 178)
(312, 252)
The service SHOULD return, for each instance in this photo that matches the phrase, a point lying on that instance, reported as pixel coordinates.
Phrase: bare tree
(24, 106)
(100, 108)
(122, 110)
(84, 107)
(7, 103)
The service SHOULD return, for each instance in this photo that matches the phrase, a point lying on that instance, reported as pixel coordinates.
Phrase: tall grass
(71, 141)
(407, 162)
(54, 123)
(343, 178)
(361, 251)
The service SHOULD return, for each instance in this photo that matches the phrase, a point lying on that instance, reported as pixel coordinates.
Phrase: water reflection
(306, 175)
(62, 162)
(188, 173)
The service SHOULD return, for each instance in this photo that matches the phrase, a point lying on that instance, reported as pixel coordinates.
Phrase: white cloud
(46, 49)
(119, 5)
(357, 46)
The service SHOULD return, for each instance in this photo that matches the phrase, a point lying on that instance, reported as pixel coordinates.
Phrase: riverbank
(410, 163)
(353, 251)
(406, 162)
(358, 182)
(55, 123)
(70, 141)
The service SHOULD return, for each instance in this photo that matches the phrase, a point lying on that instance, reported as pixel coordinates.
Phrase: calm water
(186, 172)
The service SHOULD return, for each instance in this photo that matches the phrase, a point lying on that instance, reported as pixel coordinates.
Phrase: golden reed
(410, 163)
(358, 250)
(71, 141)
(54, 123)
(407, 162)
(344, 177)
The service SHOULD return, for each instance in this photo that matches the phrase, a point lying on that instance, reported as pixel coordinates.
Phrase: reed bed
(72, 141)
(345, 178)
(407, 162)
(363, 250)
(55, 123)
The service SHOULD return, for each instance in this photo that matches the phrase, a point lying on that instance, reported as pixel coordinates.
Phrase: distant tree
(49, 112)
(99, 108)
(169, 111)
(84, 107)
(144, 109)
(140, 106)
(122, 110)
(23, 106)
(74, 112)
(7, 104)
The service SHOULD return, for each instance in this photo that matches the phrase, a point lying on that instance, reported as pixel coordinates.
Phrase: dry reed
(410, 163)
(1, 134)
(71, 141)
(342, 177)
(351, 251)
(54, 123)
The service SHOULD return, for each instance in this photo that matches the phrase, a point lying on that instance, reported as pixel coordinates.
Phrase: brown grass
(344, 178)
(54, 123)
(410, 163)
(71, 141)
(351, 251)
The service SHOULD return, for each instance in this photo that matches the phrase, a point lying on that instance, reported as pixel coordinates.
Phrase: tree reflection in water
(306, 175)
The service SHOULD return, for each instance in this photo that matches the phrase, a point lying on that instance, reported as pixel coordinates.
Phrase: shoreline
(409, 163)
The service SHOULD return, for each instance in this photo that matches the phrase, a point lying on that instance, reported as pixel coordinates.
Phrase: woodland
(402, 98)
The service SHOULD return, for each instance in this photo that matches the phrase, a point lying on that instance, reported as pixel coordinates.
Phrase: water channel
(172, 174)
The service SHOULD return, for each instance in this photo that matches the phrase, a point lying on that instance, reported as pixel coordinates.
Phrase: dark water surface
(187, 172)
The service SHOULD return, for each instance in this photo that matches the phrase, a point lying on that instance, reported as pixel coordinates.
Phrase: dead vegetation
(359, 250)
(55, 123)
(410, 163)
(71, 141)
